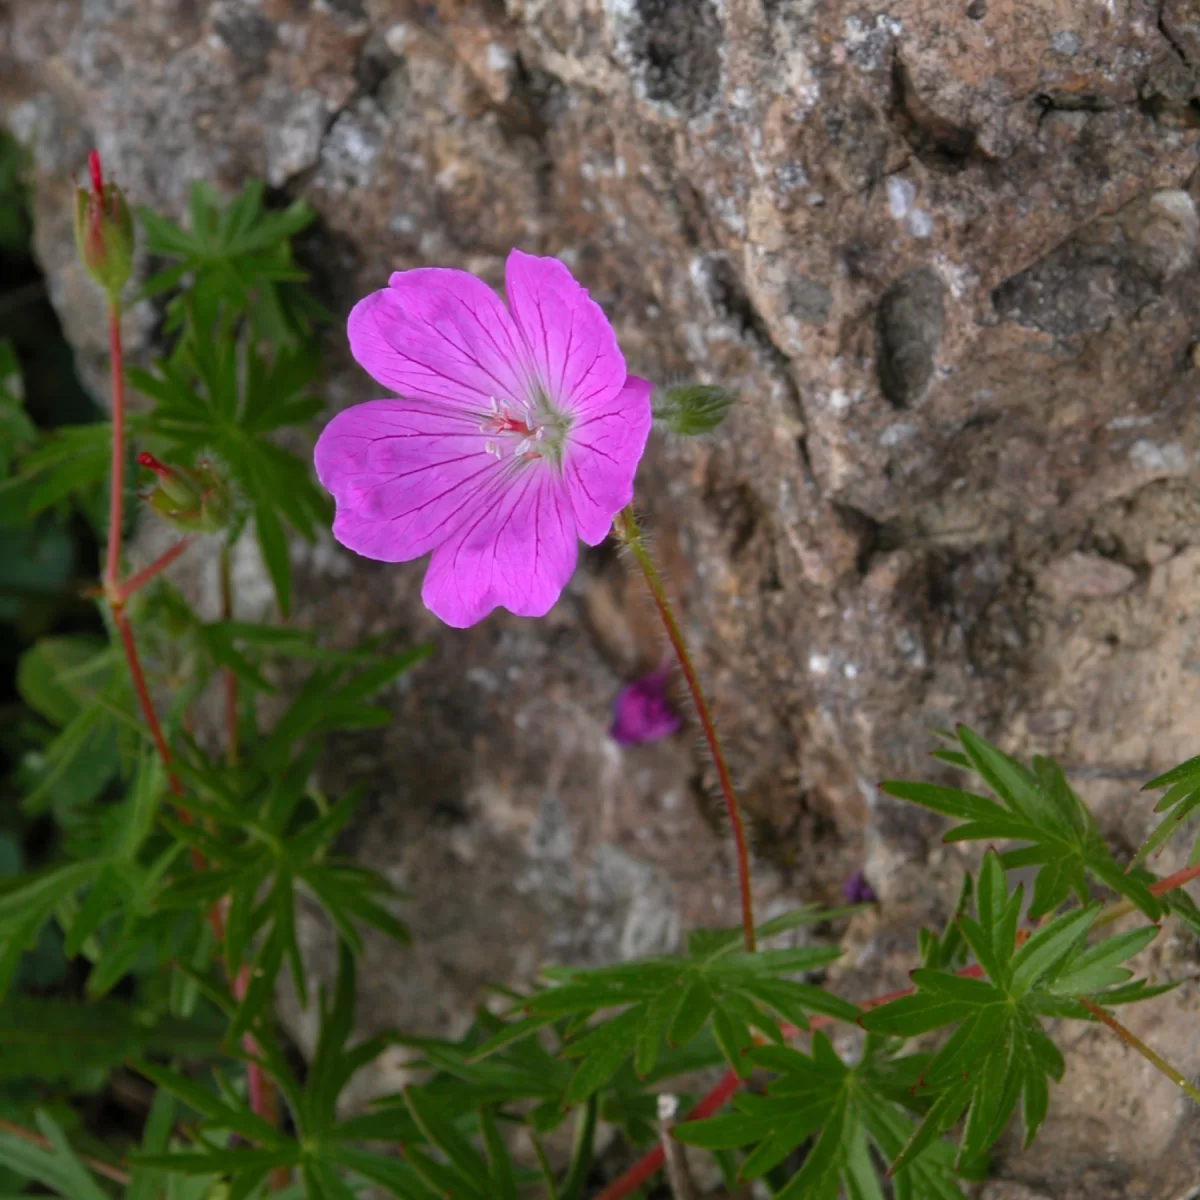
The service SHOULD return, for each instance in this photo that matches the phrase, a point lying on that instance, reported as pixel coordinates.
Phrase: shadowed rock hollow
(946, 254)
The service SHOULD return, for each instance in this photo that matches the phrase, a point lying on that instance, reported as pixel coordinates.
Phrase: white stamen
(492, 449)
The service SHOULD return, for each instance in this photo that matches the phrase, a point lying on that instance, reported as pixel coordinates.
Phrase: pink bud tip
(94, 171)
(151, 463)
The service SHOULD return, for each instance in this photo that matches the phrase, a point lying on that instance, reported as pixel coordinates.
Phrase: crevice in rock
(1168, 37)
(1166, 111)
(731, 300)
(1050, 102)
(868, 532)
(941, 144)
(531, 112)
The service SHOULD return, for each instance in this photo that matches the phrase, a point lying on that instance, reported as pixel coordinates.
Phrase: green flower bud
(194, 499)
(693, 408)
(104, 231)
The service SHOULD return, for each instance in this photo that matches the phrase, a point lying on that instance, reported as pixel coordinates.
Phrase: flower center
(525, 430)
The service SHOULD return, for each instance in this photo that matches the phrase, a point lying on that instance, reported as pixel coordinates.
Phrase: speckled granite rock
(946, 253)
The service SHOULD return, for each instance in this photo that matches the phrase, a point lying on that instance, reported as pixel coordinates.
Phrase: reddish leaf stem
(140, 578)
(628, 530)
(121, 618)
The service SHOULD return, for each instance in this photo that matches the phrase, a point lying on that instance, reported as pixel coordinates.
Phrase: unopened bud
(103, 230)
(693, 408)
(194, 499)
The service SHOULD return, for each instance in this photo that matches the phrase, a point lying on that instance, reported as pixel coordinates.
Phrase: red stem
(138, 580)
(262, 1094)
(1171, 882)
(632, 536)
(116, 490)
(143, 694)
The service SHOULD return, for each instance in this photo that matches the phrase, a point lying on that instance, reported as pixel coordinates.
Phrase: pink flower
(519, 433)
(642, 712)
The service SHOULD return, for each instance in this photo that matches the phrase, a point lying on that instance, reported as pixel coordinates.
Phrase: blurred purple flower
(856, 890)
(642, 712)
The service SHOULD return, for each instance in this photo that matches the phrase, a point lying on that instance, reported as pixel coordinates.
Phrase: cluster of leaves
(240, 370)
(153, 926)
(169, 903)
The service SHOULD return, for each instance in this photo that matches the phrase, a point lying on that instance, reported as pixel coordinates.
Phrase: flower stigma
(532, 429)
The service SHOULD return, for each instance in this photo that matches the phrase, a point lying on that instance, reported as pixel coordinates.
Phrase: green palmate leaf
(1036, 807)
(848, 1110)
(1179, 803)
(263, 835)
(673, 1000)
(998, 1055)
(236, 255)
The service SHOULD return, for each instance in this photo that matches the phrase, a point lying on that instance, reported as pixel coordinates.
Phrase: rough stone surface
(946, 254)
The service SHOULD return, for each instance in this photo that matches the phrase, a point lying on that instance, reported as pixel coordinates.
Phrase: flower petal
(441, 335)
(518, 551)
(569, 343)
(602, 455)
(405, 475)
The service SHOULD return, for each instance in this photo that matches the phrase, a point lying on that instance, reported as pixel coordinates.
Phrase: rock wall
(945, 251)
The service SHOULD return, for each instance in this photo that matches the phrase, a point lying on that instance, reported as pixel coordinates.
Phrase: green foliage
(153, 918)
(999, 1054)
(219, 398)
(674, 999)
(320, 1145)
(233, 255)
(1036, 807)
(847, 1110)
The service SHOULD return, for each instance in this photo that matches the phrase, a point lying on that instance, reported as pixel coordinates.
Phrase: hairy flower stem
(116, 487)
(628, 530)
(1131, 1039)
(36, 1139)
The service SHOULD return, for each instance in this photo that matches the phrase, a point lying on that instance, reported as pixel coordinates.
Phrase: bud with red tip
(103, 230)
(194, 499)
